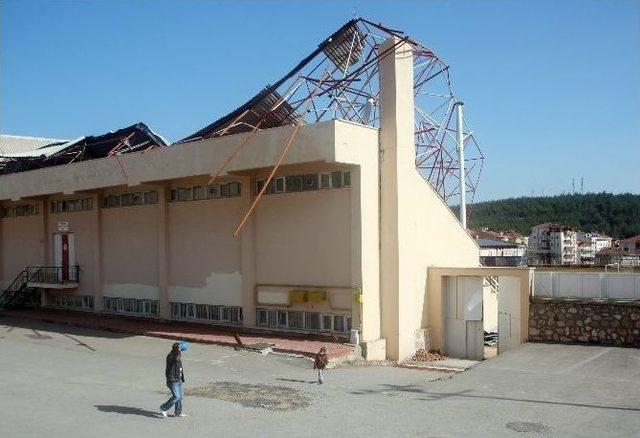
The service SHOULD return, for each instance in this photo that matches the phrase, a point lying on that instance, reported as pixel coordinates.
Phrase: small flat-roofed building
(501, 253)
(340, 240)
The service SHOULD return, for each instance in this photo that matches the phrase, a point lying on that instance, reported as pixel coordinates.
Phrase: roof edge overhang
(330, 141)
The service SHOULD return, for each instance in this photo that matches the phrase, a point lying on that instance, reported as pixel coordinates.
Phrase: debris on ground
(490, 339)
(427, 356)
(269, 397)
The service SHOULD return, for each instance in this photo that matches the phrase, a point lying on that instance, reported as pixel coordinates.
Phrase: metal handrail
(53, 274)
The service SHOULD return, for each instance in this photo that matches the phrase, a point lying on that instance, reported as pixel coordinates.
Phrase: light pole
(463, 192)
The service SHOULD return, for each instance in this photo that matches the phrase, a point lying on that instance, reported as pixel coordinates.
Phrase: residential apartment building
(589, 244)
(553, 244)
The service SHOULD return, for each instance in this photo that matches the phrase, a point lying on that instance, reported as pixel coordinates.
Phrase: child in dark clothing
(321, 363)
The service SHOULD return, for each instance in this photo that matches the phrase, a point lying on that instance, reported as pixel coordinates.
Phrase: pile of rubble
(427, 356)
(490, 339)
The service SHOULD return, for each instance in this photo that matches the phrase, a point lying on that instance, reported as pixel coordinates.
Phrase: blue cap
(184, 345)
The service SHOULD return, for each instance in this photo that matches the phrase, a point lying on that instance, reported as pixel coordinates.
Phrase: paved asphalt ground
(58, 381)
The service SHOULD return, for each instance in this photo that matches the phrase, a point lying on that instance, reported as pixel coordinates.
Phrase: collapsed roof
(130, 139)
(339, 79)
(12, 144)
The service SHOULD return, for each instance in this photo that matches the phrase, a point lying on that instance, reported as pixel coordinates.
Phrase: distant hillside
(616, 215)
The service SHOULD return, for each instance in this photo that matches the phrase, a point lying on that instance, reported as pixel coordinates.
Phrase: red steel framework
(339, 80)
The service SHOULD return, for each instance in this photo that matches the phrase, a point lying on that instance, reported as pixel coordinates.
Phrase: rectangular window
(282, 318)
(312, 321)
(234, 189)
(325, 180)
(214, 191)
(174, 195)
(201, 311)
(279, 186)
(310, 182)
(114, 200)
(346, 179)
(338, 323)
(127, 199)
(327, 322)
(152, 197)
(199, 193)
(137, 198)
(185, 194)
(236, 314)
(214, 313)
(336, 180)
(224, 190)
(294, 183)
(296, 320)
(261, 317)
(272, 318)
(259, 185)
(129, 305)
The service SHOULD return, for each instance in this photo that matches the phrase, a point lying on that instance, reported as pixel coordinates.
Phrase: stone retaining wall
(584, 321)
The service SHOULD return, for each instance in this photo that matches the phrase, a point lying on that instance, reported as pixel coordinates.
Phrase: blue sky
(551, 88)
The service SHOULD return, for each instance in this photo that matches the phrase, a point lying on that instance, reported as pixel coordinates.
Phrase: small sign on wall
(63, 226)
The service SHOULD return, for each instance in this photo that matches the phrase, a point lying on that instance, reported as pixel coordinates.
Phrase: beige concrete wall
(130, 245)
(417, 228)
(204, 257)
(435, 312)
(22, 245)
(304, 238)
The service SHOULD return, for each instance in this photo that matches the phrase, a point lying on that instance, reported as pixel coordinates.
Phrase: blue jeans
(177, 393)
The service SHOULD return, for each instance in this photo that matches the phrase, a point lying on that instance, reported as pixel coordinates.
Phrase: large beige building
(341, 240)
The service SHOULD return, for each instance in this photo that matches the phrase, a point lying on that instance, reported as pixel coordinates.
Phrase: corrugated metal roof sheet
(15, 144)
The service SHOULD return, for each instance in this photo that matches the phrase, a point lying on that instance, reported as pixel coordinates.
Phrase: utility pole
(463, 192)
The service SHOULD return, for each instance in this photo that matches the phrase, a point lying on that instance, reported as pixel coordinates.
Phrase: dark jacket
(173, 371)
(321, 361)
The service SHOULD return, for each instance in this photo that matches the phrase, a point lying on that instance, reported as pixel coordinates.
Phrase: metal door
(64, 255)
(508, 314)
(462, 307)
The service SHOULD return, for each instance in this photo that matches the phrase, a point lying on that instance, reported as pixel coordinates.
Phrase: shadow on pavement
(297, 380)
(127, 410)
(435, 396)
(34, 325)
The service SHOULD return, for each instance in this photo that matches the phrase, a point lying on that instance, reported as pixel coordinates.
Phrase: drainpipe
(463, 193)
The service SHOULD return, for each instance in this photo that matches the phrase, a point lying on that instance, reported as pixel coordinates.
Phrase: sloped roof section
(130, 139)
(339, 79)
(15, 144)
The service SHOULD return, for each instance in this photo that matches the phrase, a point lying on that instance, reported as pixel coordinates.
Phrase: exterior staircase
(19, 293)
(22, 292)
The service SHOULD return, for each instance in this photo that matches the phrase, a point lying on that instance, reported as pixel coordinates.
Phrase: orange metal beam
(266, 183)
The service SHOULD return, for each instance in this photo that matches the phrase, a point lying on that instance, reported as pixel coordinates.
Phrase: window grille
(296, 319)
(312, 321)
(294, 183)
(299, 320)
(199, 193)
(310, 182)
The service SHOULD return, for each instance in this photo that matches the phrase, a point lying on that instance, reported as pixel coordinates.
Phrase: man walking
(175, 380)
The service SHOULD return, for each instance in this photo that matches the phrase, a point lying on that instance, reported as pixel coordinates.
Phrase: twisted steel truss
(339, 79)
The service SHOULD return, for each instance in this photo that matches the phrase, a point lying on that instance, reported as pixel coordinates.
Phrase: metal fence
(52, 274)
(609, 285)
